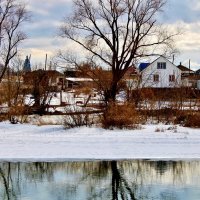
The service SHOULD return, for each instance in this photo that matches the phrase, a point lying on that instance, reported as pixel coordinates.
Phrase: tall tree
(117, 33)
(12, 15)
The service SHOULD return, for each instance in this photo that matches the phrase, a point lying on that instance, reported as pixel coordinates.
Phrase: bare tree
(12, 16)
(117, 33)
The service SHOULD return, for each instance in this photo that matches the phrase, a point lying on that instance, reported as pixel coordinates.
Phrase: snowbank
(53, 143)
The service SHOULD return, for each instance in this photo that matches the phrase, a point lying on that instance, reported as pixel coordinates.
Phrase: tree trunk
(110, 94)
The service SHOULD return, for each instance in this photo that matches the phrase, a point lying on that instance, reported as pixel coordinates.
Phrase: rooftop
(143, 66)
(184, 69)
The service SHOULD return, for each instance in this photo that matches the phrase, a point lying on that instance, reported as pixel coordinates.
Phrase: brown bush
(3, 117)
(192, 120)
(181, 118)
(147, 94)
(17, 114)
(120, 116)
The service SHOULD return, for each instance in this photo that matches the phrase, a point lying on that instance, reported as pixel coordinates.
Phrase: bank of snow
(51, 143)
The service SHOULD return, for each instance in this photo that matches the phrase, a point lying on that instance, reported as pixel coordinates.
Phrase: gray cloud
(47, 16)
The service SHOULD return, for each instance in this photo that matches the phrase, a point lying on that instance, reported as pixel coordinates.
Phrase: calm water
(137, 180)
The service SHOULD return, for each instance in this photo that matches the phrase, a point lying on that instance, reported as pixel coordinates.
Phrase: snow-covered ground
(52, 143)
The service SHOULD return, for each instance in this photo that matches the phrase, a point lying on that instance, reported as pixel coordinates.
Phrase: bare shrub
(83, 90)
(12, 98)
(3, 118)
(181, 118)
(75, 118)
(120, 116)
(193, 120)
(17, 114)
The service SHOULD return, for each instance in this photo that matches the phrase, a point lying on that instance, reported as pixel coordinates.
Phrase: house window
(156, 78)
(161, 65)
(171, 78)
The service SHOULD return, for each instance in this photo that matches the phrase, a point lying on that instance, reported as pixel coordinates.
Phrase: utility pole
(189, 66)
(45, 65)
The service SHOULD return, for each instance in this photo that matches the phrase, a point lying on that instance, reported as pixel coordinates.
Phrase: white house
(161, 73)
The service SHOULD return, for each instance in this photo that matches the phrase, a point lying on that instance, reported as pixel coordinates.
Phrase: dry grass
(120, 116)
(17, 114)
(193, 120)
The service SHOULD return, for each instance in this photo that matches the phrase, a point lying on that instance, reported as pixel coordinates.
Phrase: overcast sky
(47, 16)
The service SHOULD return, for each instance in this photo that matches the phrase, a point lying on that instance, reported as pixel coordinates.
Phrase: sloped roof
(198, 71)
(183, 68)
(79, 79)
(47, 72)
(54, 73)
(143, 66)
(147, 64)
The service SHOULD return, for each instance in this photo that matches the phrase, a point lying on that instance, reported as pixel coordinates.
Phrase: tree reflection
(120, 186)
(10, 185)
(114, 180)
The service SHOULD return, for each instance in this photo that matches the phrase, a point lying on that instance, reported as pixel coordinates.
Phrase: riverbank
(25, 142)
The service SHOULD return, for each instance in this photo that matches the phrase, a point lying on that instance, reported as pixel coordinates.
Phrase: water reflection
(114, 180)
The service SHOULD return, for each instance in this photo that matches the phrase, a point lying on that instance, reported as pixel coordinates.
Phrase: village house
(53, 79)
(185, 71)
(161, 73)
(188, 77)
(75, 82)
(74, 79)
(132, 77)
(197, 72)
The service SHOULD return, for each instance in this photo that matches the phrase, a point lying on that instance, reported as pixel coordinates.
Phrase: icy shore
(52, 143)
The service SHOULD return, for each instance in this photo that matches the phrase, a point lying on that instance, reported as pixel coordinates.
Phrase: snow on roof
(78, 79)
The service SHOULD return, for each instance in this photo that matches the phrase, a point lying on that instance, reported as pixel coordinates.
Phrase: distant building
(27, 65)
(71, 72)
(73, 82)
(132, 77)
(197, 72)
(161, 73)
(49, 78)
(185, 71)
(189, 78)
